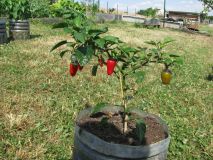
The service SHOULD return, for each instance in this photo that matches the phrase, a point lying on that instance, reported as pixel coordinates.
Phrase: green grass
(39, 100)
(207, 29)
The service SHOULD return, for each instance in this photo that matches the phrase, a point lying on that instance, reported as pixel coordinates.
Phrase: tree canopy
(208, 3)
(149, 12)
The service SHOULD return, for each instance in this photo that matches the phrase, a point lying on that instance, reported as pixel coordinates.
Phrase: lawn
(207, 29)
(39, 100)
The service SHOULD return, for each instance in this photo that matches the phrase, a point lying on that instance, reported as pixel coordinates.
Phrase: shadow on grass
(35, 36)
(9, 39)
(209, 77)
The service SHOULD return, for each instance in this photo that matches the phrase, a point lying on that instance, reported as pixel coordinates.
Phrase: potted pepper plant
(106, 132)
(18, 12)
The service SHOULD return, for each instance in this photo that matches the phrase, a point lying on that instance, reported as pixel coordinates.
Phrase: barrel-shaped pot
(3, 32)
(89, 147)
(19, 29)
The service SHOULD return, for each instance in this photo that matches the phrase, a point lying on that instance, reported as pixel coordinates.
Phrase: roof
(183, 12)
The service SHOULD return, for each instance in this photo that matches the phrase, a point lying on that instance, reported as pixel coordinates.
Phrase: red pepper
(80, 67)
(73, 69)
(111, 63)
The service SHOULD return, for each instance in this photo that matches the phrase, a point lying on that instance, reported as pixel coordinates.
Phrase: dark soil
(111, 130)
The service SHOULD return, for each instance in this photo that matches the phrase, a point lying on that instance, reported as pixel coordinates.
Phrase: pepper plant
(121, 60)
(168, 59)
(17, 9)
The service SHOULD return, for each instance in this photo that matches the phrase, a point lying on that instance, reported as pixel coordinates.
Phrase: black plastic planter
(3, 32)
(19, 29)
(89, 147)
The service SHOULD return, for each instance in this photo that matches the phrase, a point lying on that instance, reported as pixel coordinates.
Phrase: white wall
(132, 19)
(172, 25)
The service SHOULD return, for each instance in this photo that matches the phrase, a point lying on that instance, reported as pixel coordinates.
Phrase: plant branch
(125, 116)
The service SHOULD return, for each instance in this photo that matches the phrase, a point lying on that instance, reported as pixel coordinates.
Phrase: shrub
(2, 8)
(59, 8)
(16, 9)
(91, 6)
(39, 8)
(149, 12)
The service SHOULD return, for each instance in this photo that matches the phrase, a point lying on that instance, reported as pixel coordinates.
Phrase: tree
(149, 12)
(208, 3)
(111, 10)
(91, 5)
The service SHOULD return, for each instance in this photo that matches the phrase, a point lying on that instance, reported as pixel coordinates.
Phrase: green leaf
(139, 76)
(71, 44)
(58, 45)
(140, 130)
(168, 61)
(15, 15)
(128, 49)
(165, 42)
(98, 108)
(112, 39)
(60, 25)
(67, 15)
(68, 30)
(179, 61)
(63, 52)
(96, 32)
(143, 56)
(22, 8)
(151, 43)
(174, 55)
(94, 70)
(84, 54)
(100, 43)
(154, 51)
(168, 40)
(80, 37)
(77, 21)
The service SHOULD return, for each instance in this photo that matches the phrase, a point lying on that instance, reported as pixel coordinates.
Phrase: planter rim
(19, 30)
(17, 21)
(120, 150)
(2, 22)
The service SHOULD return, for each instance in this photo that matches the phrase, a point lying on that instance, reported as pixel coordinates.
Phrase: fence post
(164, 14)
(98, 5)
(107, 7)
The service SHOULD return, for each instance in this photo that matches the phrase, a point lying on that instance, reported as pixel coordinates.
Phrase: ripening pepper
(166, 76)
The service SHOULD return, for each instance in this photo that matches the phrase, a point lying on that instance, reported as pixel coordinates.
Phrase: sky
(175, 5)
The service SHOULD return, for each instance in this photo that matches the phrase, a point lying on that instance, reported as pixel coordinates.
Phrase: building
(181, 16)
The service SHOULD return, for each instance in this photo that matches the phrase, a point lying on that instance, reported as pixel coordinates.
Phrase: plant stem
(125, 117)
(166, 66)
